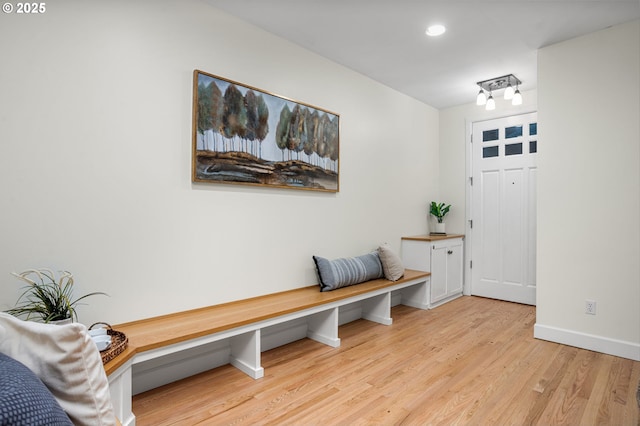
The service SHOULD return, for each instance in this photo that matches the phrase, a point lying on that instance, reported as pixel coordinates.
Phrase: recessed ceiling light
(436, 30)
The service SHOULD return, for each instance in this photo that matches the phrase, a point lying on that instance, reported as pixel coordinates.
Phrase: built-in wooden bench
(237, 328)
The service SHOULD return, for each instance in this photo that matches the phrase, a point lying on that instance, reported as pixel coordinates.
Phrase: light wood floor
(472, 361)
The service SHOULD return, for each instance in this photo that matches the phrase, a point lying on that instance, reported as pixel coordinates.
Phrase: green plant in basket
(439, 210)
(47, 297)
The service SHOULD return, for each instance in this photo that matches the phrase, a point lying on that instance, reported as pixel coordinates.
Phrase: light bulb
(435, 30)
(482, 98)
(517, 98)
(508, 92)
(491, 104)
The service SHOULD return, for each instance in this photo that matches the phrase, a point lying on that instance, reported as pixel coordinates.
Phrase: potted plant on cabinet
(439, 210)
(46, 297)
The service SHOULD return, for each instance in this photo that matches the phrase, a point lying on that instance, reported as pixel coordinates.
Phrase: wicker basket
(119, 343)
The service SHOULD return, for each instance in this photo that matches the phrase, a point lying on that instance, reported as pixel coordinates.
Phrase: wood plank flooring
(473, 361)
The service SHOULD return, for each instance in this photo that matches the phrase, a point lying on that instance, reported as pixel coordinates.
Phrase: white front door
(503, 208)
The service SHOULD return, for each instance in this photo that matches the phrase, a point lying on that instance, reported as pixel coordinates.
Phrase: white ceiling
(385, 39)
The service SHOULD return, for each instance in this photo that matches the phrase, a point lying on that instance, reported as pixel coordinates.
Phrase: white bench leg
(120, 388)
(323, 327)
(245, 354)
(378, 309)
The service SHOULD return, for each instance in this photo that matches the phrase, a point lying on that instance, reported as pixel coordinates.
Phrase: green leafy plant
(46, 297)
(439, 210)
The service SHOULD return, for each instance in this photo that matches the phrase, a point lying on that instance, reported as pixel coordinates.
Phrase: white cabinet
(443, 257)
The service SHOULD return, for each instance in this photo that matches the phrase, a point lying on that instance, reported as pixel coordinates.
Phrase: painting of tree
(243, 135)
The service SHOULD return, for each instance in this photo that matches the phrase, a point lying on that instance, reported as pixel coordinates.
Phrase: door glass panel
(513, 149)
(533, 129)
(533, 147)
(489, 151)
(512, 132)
(490, 135)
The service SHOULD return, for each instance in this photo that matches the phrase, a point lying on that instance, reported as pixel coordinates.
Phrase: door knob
(449, 251)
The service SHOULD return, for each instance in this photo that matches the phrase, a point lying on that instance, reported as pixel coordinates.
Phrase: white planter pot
(440, 228)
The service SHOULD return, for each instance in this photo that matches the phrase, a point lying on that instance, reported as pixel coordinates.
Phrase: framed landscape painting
(243, 135)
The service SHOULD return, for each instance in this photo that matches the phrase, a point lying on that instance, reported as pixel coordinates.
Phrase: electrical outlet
(590, 307)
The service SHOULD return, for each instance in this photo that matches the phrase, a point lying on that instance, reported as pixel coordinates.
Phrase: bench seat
(240, 322)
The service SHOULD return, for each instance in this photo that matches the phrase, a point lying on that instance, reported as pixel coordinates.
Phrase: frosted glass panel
(489, 151)
(513, 149)
(490, 135)
(512, 132)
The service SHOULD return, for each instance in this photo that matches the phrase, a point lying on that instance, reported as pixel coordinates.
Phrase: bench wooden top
(165, 330)
(433, 237)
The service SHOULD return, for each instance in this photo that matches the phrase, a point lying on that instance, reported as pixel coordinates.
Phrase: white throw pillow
(65, 358)
(391, 263)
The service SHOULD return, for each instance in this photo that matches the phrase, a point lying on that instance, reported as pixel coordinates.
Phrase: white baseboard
(334, 343)
(379, 319)
(253, 372)
(621, 348)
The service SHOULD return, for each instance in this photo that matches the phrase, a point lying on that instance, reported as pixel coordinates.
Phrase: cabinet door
(454, 268)
(438, 272)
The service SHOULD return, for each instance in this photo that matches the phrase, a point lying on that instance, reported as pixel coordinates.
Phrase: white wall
(589, 191)
(95, 157)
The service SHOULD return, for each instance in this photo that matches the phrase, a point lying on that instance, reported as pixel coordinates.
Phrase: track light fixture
(505, 82)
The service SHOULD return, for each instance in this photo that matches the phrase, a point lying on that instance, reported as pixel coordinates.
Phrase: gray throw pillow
(343, 272)
(24, 399)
